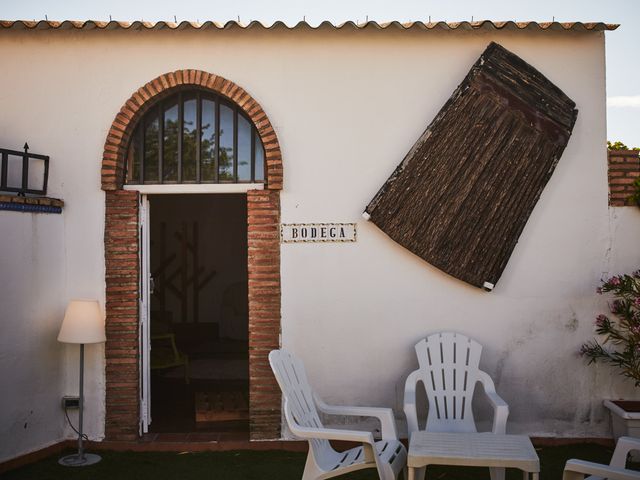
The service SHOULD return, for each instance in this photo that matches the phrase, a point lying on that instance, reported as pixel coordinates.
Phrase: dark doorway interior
(199, 314)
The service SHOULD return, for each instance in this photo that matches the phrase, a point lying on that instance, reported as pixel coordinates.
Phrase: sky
(622, 45)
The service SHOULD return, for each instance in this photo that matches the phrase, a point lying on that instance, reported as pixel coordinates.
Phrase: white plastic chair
(301, 407)
(449, 370)
(616, 470)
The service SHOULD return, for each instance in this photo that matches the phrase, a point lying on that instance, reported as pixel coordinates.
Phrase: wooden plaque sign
(463, 194)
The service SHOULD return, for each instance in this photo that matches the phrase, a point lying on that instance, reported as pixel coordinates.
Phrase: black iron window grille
(23, 172)
(195, 136)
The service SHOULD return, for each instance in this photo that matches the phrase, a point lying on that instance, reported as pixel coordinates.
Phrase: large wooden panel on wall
(463, 194)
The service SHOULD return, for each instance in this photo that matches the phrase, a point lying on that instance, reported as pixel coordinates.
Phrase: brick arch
(122, 270)
(114, 156)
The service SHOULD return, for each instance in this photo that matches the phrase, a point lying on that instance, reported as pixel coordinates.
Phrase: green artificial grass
(264, 465)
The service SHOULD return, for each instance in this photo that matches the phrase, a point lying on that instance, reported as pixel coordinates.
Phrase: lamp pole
(83, 323)
(81, 405)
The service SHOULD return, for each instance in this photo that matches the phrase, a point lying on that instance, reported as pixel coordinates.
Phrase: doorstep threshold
(196, 442)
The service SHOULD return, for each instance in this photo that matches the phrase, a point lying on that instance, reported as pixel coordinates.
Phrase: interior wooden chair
(165, 354)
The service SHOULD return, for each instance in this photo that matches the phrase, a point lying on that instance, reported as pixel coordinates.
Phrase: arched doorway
(122, 259)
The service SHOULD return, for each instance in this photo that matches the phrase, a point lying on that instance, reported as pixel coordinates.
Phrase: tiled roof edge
(141, 25)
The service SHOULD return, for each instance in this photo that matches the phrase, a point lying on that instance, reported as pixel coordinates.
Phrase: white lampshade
(83, 323)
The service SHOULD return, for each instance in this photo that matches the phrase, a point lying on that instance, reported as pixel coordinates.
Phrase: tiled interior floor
(173, 411)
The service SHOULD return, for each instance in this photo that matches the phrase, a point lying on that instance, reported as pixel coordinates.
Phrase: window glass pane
(225, 155)
(14, 171)
(189, 140)
(259, 177)
(134, 156)
(208, 141)
(35, 179)
(225, 168)
(151, 144)
(244, 150)
(170, 145)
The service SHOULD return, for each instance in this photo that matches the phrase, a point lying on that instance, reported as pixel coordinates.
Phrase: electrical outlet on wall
(70, 401)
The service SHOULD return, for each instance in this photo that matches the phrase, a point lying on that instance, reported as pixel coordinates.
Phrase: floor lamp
(83, 323)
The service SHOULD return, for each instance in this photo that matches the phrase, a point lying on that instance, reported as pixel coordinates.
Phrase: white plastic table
(472, 450)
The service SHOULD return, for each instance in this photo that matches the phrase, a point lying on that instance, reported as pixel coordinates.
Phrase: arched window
(195, 136)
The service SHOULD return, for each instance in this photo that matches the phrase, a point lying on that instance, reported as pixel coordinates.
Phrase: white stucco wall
(48, 259)
(347, 105)
(31, 364)
(543, 307)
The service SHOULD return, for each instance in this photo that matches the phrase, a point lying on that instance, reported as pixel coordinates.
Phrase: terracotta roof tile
(141, 25)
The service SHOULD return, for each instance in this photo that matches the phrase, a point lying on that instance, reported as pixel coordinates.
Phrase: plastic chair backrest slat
(449, 364)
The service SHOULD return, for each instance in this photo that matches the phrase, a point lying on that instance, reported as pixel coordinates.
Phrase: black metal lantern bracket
(26, 158)
(19, 184)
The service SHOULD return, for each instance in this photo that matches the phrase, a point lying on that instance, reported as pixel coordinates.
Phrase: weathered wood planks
(463, 194)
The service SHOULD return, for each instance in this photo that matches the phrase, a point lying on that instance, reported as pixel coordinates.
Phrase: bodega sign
(317, 232)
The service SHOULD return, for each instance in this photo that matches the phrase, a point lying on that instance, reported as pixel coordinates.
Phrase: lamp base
(76, 460)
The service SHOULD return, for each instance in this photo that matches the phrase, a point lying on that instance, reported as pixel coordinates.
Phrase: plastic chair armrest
(384, 415)
(500, 407)
(409, 402)
(332, 434)
(605, 471)
(623, 447)
(309, 433)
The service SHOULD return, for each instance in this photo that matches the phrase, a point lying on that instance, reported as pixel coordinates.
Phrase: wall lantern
(23, 172)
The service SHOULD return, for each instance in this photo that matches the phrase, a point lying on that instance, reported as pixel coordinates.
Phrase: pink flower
(614, 281)
(601, 321)
(616, 306)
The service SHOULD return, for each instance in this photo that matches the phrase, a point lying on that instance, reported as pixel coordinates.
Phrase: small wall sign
(317, 232)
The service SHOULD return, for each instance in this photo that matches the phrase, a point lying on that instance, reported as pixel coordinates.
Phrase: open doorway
(199, 314)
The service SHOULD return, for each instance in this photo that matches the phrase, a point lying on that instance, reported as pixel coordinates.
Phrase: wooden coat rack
(188, 277)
